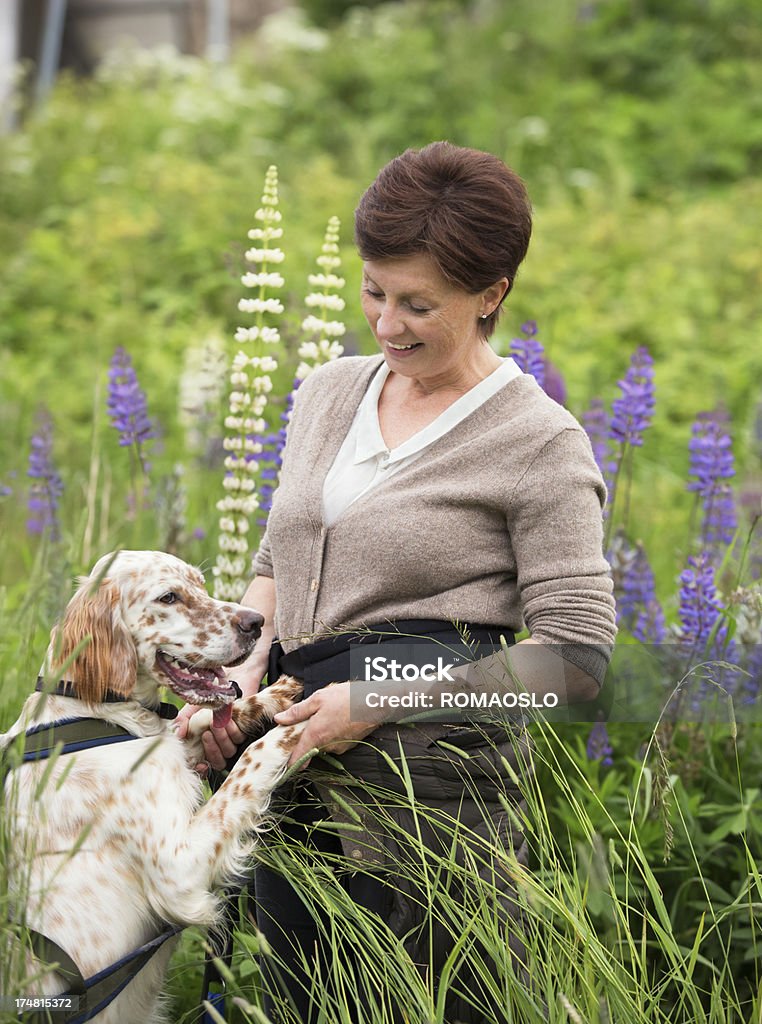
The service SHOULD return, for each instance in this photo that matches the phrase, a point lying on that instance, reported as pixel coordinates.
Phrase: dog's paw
(251, 714)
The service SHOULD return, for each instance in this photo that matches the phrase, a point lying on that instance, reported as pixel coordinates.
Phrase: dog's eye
(169, 598)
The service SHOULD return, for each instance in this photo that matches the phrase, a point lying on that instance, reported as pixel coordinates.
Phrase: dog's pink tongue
(221, 716)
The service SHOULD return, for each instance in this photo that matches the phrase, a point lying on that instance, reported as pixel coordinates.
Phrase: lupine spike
(202, 384)
(632, 413)
(47, 487)
(638, 587)
(599, 745)
(127, 407)
(713, 466)
(321, 326)
(595, 420)
(700, 608)
(529, 353)
(250, 383)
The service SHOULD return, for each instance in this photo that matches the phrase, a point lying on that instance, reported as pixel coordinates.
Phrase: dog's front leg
(217, 841)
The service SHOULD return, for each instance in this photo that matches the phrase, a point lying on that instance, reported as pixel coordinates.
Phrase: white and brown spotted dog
(118, 842)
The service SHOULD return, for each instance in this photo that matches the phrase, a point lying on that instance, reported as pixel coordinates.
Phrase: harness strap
(50, 952)
(73, 734)
(97, 992)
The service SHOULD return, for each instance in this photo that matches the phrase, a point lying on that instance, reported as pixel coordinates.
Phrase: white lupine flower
(332, 302)
(331, 328)
(238, 544)
(328, 262)
(265, 255)
(250, 384)
(330, 350)
(265, 234)
(270, 280)
(244, 334)
(321, 349)
(326, 281)
(309, 350)
(201, 386)
(260, 305)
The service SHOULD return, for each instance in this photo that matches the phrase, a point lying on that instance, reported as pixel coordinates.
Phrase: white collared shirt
(364, 461)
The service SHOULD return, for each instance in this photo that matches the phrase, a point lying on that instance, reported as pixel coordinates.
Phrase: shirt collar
(370, 442)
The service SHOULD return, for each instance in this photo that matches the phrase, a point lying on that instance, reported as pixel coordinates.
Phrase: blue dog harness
(89, 996)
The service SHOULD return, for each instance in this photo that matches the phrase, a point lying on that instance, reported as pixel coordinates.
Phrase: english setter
(116, 842)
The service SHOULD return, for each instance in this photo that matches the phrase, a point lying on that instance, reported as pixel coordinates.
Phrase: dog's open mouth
(204, 685)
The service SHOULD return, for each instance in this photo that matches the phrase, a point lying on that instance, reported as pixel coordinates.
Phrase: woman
(431, 485)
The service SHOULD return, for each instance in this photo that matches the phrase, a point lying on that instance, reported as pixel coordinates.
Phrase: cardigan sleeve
(556, 526)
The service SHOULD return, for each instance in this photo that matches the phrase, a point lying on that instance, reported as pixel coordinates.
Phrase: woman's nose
(389, 323)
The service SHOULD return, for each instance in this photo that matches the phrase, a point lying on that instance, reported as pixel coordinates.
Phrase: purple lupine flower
(638, 586)
(595, 420)
(712, 466)
(701, 622)
(554, 384)
(127, 406)
(529, 352)
(599, 745)
(650, 626)
(47, 486)
(631, 414)
(268, 460)
(700, 609)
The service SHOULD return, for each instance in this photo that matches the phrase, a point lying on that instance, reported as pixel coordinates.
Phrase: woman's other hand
(331, 726)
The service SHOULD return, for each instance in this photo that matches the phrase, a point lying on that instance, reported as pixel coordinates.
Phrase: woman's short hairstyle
(464, 208)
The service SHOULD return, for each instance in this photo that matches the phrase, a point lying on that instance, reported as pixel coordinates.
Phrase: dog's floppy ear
(92, 645)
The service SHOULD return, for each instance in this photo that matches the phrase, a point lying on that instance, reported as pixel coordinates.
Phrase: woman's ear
(92, 646)
(493, 296)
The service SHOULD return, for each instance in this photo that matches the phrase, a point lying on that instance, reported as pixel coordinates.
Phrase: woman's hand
(330, 725)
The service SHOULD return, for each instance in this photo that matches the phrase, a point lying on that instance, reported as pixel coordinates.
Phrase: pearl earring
(484, 316)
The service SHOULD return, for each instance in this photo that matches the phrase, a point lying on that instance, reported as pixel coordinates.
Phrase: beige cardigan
(498, 523)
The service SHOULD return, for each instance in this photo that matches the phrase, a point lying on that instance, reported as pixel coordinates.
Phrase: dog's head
(143, 619)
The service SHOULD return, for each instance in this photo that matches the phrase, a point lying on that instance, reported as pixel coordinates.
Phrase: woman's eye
(421, 310)
(169, 598)
(374, 295)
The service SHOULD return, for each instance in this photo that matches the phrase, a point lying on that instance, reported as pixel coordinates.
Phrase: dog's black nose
(248, 622)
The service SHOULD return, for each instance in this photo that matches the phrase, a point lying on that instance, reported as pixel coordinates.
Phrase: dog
(112, 844)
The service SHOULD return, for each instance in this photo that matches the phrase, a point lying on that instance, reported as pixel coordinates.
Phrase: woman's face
(426, 327)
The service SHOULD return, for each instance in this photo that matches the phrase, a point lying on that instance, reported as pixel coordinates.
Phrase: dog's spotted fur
(119, 842)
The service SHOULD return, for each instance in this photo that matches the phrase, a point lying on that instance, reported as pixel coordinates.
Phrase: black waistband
(328, 661)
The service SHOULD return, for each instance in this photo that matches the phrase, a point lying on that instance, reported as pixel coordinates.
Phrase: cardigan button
(357, 853)
(314, 586)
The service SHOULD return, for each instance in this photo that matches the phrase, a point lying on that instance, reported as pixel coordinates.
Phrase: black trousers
(291, 928)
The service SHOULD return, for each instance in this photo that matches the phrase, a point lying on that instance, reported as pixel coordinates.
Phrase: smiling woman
(425, 491)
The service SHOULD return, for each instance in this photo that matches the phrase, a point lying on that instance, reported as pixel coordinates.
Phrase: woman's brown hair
(464, 208)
